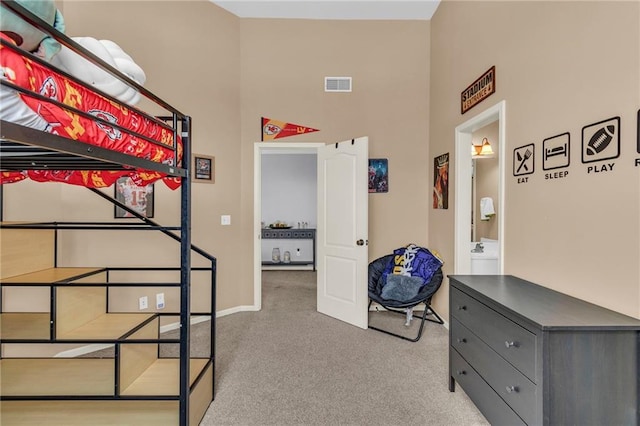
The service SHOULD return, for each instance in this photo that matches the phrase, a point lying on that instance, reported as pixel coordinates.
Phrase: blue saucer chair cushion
(401, 287)
(378, 280)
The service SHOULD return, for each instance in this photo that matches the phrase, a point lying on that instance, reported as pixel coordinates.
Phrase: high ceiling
(332, 9)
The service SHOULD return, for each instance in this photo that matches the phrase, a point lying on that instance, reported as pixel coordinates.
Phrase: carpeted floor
(289, 365)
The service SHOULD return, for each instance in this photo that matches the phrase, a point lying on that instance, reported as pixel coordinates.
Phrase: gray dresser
(526, 354)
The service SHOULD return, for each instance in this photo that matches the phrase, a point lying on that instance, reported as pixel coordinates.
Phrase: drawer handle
(463, 340)
(509, 344)
(462, 373)
(462, 308)
(511, 389)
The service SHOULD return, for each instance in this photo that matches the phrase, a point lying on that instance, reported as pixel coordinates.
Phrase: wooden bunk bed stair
(134, 411)
(79, 297)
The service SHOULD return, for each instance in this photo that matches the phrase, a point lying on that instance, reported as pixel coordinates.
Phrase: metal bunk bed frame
(23, 148)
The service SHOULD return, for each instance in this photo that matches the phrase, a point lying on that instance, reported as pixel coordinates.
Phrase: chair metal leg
(428, 310)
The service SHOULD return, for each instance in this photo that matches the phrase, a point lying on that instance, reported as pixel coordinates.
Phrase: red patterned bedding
(33, 76)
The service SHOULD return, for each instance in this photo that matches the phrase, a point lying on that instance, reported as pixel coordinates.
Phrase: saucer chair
(404, 307)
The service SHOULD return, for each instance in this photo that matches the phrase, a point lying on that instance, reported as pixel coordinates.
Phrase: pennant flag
(274, 129)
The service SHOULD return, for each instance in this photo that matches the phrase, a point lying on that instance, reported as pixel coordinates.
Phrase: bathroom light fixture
(483, 150)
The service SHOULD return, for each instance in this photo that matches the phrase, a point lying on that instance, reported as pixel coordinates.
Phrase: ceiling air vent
(337, 84)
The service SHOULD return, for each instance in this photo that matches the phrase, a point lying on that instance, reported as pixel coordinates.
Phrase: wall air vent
(337, 84)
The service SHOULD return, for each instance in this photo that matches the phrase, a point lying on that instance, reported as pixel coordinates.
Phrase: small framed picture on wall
(441, 181)
(203, 168)
(378, 175)
(137, 198)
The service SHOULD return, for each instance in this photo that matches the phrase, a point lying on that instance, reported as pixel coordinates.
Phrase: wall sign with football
(600, 142)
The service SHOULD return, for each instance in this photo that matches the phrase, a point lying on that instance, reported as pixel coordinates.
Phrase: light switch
(225, 219)
(143, 303)
(160, 301)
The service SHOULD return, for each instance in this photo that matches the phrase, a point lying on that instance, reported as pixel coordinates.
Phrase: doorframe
(258, 149)
(462, 220)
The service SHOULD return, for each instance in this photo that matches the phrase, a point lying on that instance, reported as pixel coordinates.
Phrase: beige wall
(557, 73)
(190, 52)
(226, 73)
(578, 235)
(284, 63)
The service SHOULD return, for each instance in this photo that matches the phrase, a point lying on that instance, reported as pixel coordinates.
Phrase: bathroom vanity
(528, 355)
(484, 257)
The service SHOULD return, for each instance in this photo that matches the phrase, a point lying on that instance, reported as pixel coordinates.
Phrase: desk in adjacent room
(291, 234)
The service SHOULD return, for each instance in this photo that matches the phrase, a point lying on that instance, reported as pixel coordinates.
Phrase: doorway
(261, 149)
(341, 229)
(464, 189)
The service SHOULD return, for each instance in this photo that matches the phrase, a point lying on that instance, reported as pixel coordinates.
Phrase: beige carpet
(289, 365)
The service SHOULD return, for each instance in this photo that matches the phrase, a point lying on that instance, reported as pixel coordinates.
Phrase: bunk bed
(95, 160)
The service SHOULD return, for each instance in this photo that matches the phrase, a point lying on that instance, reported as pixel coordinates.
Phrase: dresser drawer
(510, 384)
(488, 402)
(511, 341)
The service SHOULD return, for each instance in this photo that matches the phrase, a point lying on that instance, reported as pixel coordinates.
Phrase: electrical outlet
(143, 303)
(225, 219)
(160, 301)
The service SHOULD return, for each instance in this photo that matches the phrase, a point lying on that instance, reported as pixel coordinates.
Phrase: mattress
(107, 123)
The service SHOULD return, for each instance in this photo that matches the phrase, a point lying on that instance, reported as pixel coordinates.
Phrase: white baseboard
(176, 325)
(236, 309)
(72, 353)
(83, 350)
(87, 349)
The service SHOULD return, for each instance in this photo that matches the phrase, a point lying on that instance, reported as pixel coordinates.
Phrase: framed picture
(441, 181)
(138, 198)
(204, 168)
(378, 175)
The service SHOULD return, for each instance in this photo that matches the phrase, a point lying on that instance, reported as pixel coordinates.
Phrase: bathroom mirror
(484, 202)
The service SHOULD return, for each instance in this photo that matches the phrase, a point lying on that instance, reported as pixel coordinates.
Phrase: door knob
(360, 242)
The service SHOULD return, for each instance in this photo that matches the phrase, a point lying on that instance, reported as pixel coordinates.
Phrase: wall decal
(275, 129)
(378, 175)
(601, 141)
(524, 162)
(479, 90)
(555, 155)
(441, 181)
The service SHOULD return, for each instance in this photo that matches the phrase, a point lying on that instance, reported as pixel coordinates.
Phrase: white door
(343, 223)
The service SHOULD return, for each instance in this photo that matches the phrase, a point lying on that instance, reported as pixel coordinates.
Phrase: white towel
(486, 208)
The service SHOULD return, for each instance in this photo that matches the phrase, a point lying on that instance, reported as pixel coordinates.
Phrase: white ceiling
(332, 9)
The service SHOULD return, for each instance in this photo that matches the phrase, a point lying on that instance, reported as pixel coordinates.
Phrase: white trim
(83, 350)
(462, 225)
(258, 149)
(87, 349)
(176, 325)
(236, 309)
